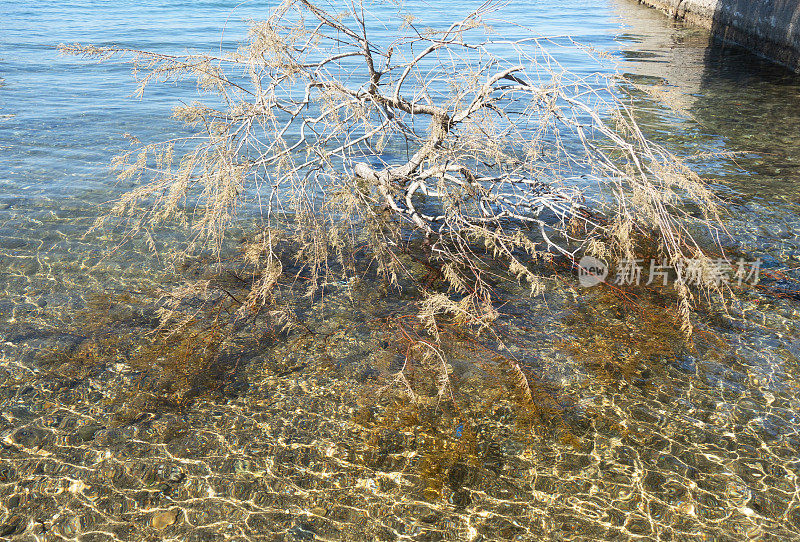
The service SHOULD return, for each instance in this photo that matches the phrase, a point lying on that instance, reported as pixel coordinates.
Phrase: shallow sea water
(108, 432)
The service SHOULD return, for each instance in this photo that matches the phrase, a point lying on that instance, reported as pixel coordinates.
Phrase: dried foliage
(626, 342)
(482, 150)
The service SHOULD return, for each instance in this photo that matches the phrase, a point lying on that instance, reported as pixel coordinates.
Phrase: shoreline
(768, 28)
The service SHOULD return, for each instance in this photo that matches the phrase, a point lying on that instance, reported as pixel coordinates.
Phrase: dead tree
(484, 146)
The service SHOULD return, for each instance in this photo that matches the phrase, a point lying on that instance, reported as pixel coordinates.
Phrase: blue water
(62, 118)
(65, 116)
(710, 447)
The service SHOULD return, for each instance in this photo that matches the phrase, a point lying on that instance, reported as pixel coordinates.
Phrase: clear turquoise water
(664, 443)
(67, 115)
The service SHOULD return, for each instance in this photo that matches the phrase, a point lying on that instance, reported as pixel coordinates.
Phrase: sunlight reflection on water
(107, 433)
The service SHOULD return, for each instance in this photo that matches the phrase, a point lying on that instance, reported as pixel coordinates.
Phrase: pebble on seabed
(162, 520)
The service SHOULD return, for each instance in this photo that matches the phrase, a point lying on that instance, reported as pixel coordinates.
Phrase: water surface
(109, 433)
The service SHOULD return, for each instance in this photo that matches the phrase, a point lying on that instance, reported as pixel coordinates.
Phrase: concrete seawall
(770, 28)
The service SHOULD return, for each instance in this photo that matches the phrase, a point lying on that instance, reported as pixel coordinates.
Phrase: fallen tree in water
(482, 150)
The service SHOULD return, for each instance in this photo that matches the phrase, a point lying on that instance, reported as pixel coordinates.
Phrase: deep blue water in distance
(63, 117)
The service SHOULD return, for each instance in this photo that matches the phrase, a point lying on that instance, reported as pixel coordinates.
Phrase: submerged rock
(300, 531)
(14, 525)
(162, 520)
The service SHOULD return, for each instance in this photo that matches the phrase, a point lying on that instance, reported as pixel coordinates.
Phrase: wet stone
(461, 498)
(29, 437)
(14, 525)
(203, 535)
(244, 490)
(170, 474)
(162, 520)
(654, 481)
(87, 432)
(300, 531)
(21, 413)
(109, 437)
(458, 475)
(72, 526)
(11, 243)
